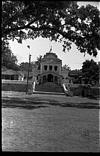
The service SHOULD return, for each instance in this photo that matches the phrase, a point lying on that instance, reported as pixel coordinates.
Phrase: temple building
(49, 71)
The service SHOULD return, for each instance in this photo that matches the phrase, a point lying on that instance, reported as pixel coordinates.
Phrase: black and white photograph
(50, 72)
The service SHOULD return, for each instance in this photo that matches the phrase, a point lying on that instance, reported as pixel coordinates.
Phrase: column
(41, 68)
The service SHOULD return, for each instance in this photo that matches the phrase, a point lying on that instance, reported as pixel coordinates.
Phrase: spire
(50, 50)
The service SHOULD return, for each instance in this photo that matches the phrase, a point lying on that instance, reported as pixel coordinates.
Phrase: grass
(50, 129)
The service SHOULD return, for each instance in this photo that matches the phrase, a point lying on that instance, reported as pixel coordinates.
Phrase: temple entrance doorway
(50, 78)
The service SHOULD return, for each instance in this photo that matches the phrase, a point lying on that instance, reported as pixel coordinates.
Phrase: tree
(25, 65)
(66, 67)
(9, 60)
(62, 21)
(38, 62)
(90, 71)
(76, 75)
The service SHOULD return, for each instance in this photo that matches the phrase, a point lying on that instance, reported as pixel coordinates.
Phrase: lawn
(49, 123)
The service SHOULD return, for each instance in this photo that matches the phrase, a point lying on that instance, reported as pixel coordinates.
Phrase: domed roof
(51, 56)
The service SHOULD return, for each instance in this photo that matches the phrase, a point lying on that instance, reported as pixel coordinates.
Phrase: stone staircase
(49, 87)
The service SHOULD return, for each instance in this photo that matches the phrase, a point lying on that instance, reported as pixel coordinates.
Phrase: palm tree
(38, 62)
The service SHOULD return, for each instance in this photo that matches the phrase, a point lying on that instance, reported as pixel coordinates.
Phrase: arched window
(45, 67)
(55, 68)
(50, 67)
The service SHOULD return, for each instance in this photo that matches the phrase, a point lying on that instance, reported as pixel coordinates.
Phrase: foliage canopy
(9, 60)
(62, 21)
(90, 71)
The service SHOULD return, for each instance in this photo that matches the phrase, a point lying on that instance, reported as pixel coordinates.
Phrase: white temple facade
(50, 70)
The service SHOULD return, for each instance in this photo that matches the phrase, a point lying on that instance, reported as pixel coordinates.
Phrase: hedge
(16, 86)
(85, 91)
(80, 90)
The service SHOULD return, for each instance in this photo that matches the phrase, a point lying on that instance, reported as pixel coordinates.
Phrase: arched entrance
(50, 78)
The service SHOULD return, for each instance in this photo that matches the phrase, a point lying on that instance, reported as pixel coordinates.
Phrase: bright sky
(40, 46)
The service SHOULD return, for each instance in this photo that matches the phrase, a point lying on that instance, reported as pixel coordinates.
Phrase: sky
(41, 46)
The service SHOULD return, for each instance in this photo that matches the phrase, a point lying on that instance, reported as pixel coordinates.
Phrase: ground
(49, 123)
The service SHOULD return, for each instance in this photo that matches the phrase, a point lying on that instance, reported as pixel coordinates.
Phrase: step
(50, 93)
(49, 87)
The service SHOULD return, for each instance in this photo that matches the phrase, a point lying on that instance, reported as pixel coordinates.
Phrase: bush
(85, 91)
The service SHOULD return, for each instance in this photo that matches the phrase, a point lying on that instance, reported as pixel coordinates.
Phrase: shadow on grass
(82, 105)
(35, 103)
(10, 100)
(22, 106)
(87, 105)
